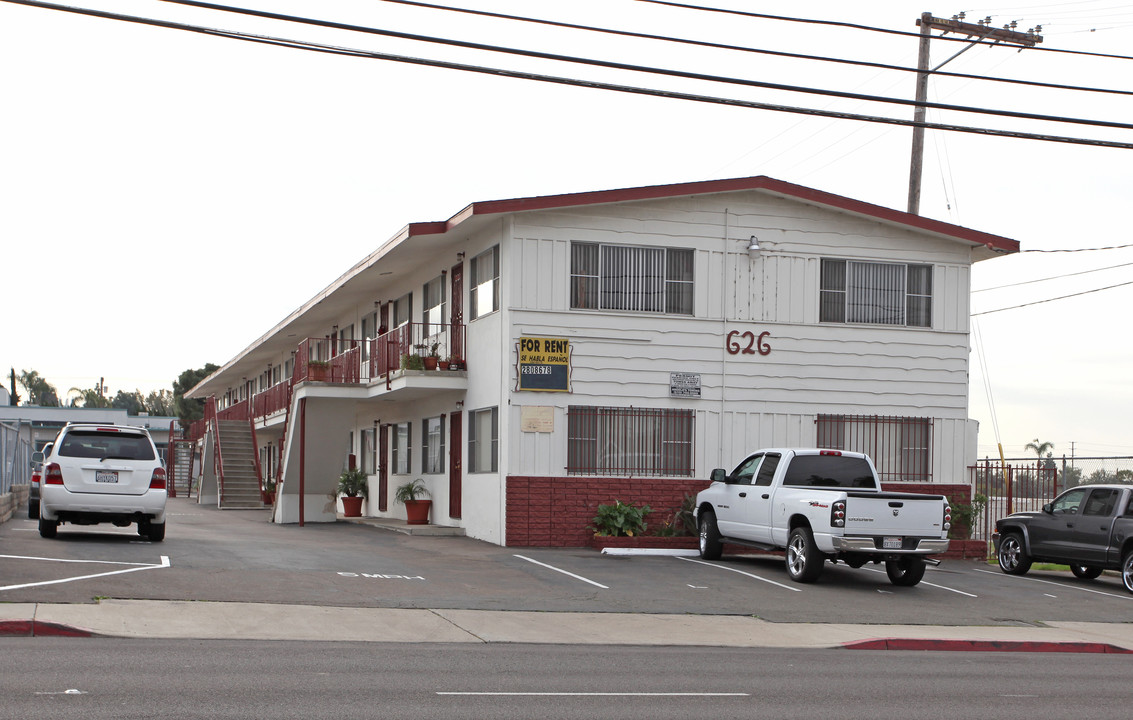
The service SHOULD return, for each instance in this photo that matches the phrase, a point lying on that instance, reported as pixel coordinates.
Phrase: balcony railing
(270, 401)
(413, 346)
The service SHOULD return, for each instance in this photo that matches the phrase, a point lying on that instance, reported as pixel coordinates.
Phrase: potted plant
(318, 370)
(352, 485)
(412, 362)
(455, 362)
(443, 363)
(268, 491)
(430, 361)
(416, 510)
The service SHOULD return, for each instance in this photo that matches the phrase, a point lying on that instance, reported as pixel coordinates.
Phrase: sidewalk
(255, 621)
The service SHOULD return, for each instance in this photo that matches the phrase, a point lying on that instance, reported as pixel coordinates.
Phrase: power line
(553, 79)
(1054, 277)
(1074, 250)
(741, 48)
(640, 68)
(1062, 297)
(871, 28)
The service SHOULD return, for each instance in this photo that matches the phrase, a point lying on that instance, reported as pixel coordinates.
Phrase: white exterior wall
(624, 358)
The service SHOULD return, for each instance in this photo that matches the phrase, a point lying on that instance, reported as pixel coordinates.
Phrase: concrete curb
(263, 621)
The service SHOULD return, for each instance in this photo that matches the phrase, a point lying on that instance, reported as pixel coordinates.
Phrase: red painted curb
(35, 628)
(986, 646)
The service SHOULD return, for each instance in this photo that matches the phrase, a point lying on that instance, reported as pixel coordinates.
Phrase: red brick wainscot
(959, 546)
(556, 511)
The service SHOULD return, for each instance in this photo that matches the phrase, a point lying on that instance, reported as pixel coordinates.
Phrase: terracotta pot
(318, 373)
(417, 512)
(352, 506)
(430, 362)
(269, 497)
(442, 365)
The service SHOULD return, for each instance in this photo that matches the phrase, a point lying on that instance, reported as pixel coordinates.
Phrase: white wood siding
(624, 359)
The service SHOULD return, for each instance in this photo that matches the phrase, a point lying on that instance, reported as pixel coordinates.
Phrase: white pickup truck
(821, 505)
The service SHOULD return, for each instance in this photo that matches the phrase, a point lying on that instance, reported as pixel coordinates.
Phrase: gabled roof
(760, 183)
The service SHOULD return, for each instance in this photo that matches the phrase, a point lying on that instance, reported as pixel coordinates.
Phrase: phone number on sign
(536, 369)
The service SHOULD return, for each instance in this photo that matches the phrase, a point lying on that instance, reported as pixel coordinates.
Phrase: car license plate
(892, 543)
(106, 476)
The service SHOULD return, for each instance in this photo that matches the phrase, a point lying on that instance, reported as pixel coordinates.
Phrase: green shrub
(619, 520)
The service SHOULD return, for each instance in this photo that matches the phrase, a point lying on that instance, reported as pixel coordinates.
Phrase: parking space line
(66, 560)
(922, 582)
(1056, 584)
(164, 564)
(552, 567)
(741, 572)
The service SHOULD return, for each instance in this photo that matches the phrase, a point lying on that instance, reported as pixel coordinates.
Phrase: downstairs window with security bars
(900, 447)
(629, 441)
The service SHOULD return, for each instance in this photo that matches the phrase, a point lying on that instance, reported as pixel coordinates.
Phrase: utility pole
(981, 31)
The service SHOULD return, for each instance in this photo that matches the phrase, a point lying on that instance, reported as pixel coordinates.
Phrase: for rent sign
(544, 364)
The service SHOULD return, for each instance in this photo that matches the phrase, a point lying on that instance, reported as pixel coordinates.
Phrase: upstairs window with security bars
(629, 441)
(622, 277)
(901, 447)
(875, 293)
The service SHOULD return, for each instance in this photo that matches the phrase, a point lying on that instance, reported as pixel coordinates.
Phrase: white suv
(103, 473)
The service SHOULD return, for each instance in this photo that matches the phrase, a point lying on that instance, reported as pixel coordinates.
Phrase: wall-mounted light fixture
(753, 248)
(460, 256)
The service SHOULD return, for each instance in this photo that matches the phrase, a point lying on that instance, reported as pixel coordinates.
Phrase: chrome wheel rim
(1127, 572)
(796, 556)
(1009, 554)
(703, 535)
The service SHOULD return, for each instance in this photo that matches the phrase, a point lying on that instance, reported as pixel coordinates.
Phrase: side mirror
(1048, 509)
(719, 475)
(36, 457)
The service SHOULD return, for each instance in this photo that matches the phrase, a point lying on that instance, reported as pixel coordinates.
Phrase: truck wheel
(905, 572)
(1013, 559)
(1127, 571)
(710, 546)
(48, 528)
(804, 561)
(1085, 572)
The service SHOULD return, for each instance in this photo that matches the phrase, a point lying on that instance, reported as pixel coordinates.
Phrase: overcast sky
(166, 197)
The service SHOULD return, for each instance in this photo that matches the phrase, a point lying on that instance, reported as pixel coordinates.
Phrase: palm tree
(1042, 450)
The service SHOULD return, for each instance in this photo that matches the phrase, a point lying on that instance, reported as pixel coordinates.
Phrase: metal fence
(1026, 484)
(15, 458)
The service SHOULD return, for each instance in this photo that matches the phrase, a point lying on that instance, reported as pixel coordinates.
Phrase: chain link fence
(1026, 484)
(15, 458)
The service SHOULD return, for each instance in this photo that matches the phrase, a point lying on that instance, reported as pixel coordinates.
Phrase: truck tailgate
(894, 514)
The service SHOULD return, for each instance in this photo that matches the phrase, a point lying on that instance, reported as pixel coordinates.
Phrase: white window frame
(483, 440)
(484, 280)
(632, 278)
(401, 447)
(875, 293)
(433, 445)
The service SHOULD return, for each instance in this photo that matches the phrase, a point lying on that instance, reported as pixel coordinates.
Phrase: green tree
(161, 403)
(132, 402)
(40, 392)
(1041, 449)
(190, 410)
(88, 398)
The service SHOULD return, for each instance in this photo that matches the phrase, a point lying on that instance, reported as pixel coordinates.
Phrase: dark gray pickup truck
(1089, 528)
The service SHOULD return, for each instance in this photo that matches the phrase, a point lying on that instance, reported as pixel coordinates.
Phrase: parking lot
(238, 556)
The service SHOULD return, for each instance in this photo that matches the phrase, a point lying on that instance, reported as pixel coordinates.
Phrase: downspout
(724, 337)
(302, 455)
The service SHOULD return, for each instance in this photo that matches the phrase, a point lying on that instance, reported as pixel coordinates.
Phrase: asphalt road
(239, 556)
(113, 678)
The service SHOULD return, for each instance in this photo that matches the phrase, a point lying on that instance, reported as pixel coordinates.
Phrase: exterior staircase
(181, 467)
(241, 484)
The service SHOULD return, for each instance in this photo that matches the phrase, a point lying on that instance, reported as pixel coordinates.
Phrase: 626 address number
(747, 343)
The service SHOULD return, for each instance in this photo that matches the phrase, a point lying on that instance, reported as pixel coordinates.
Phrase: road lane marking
(1061, 585)
(741, 572)
(600, 694)
(941, 587)
(564, 572)
(164, 564)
